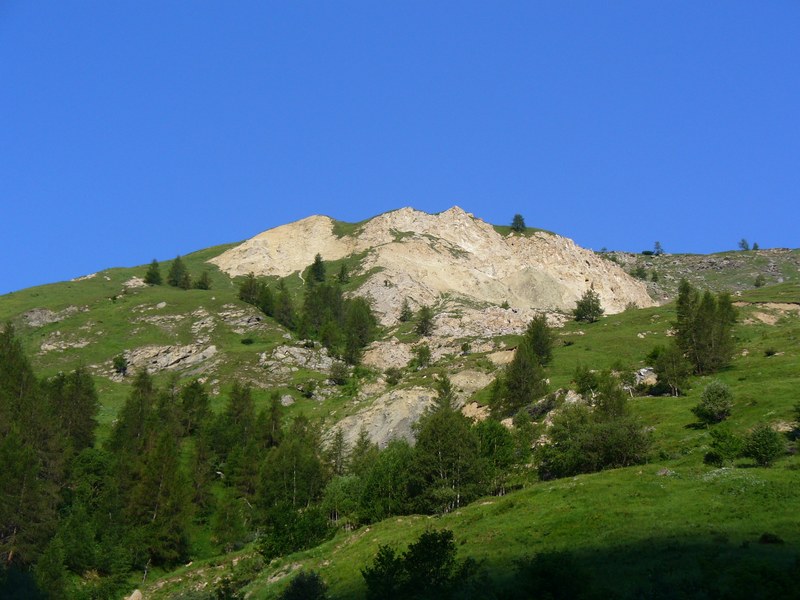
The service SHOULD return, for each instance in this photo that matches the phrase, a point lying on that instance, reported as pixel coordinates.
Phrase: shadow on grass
(764, 567)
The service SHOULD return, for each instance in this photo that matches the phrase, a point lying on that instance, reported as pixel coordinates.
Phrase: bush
(715, 403)
(339, 373)
(120, 364)
(725, 446)
(306, 585)
(422, 356)
(760, 281)
(393, 375)
(764, 445)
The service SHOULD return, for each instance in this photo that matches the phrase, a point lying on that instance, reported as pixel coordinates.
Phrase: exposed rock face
(426, 258)
(38, 317)
(284, 360)
(159, 358)
(389, 417)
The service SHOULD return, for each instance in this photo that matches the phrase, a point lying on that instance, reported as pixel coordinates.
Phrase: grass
(631, 529)
(660, 528)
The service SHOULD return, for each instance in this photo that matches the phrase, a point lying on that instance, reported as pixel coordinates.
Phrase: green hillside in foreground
(660, 530)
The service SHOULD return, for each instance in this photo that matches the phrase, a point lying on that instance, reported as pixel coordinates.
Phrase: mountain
(451, 256)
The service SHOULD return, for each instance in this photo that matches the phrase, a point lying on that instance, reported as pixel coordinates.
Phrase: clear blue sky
(138, 129)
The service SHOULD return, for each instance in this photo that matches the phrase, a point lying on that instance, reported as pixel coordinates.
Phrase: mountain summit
(451, 256)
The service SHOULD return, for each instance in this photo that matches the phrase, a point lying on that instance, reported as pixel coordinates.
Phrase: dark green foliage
(672, 368)
(584, 441)
(74, 403)
(293, 474)
(284, 307)
(586, 381)
(343, 276)
(364, 454)
(424, 324)
(158, 506)
(153, 275)
(317, 269)
(360, 326)
(518, 224)
(178, 275)
(446, 460)
(540, 337)
(306, 585)
(336, 453)
(387, 483)
(639, 272)
(339, 373)
(428, 570)
(497, 452)
(755, 246)
(725, 447)
(120, 364)
(406, 314)
(588, 308)
(194, 407)
(51, 571)
(523, 380)
(228, 523)
(760, 281)
(421, 356)
(704, 328)
(203, 282)
(658, 249)
(290, 530)
(393, 375)
(744, 245)
(249, 289)
(764, 445)
(715, 404)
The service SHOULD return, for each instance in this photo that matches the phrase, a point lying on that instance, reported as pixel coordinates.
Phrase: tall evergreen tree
(203, 282)
(588, 308)
(317, 271)
(153, 275)
(518, 224)
(284, 307)
(177, 273)
(523, 380)
(73, 400)
(424, 321)
(540, 338)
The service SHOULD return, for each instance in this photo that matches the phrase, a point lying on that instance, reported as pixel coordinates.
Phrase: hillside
(655, 530)
(649, 525)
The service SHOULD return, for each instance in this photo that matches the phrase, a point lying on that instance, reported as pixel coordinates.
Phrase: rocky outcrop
(448, 256)
(39, 317)
(160, 358)
(285, 360)
(391, 416)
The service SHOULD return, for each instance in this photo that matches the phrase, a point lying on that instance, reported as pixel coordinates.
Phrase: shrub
(306, 585)
(422, 356)
(393, 375)
(424, 325)
(120, 364)
(725, 446)
(715, 403)
(760, 281)
(339, 373)
(764, 445)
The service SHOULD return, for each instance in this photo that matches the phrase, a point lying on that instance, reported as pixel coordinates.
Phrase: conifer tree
(249, 289)
(74, 402)
(540, 338)
(284, 307)
(406, 314)
(518, 224)
(153, 275)
(588, 308)
(424, 325)
(318, 269)
(178, 274)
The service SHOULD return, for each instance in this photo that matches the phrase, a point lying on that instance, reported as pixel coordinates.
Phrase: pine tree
(518, 224)
(159, 506)
(540, 338)
(424, 325)
(284, 307)
(73, 400)
(588, 308)
(249, 289)
(318, 269)
(177, 273)
(406, 314)
(153, 275)
(343, 276)
(524, 380)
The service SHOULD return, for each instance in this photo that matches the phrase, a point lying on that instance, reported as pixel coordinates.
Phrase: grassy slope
(637, 530)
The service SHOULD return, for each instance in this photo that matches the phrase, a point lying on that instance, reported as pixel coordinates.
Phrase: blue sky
(138, 129)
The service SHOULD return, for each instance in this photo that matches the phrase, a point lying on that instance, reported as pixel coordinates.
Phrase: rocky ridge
(450, 258)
